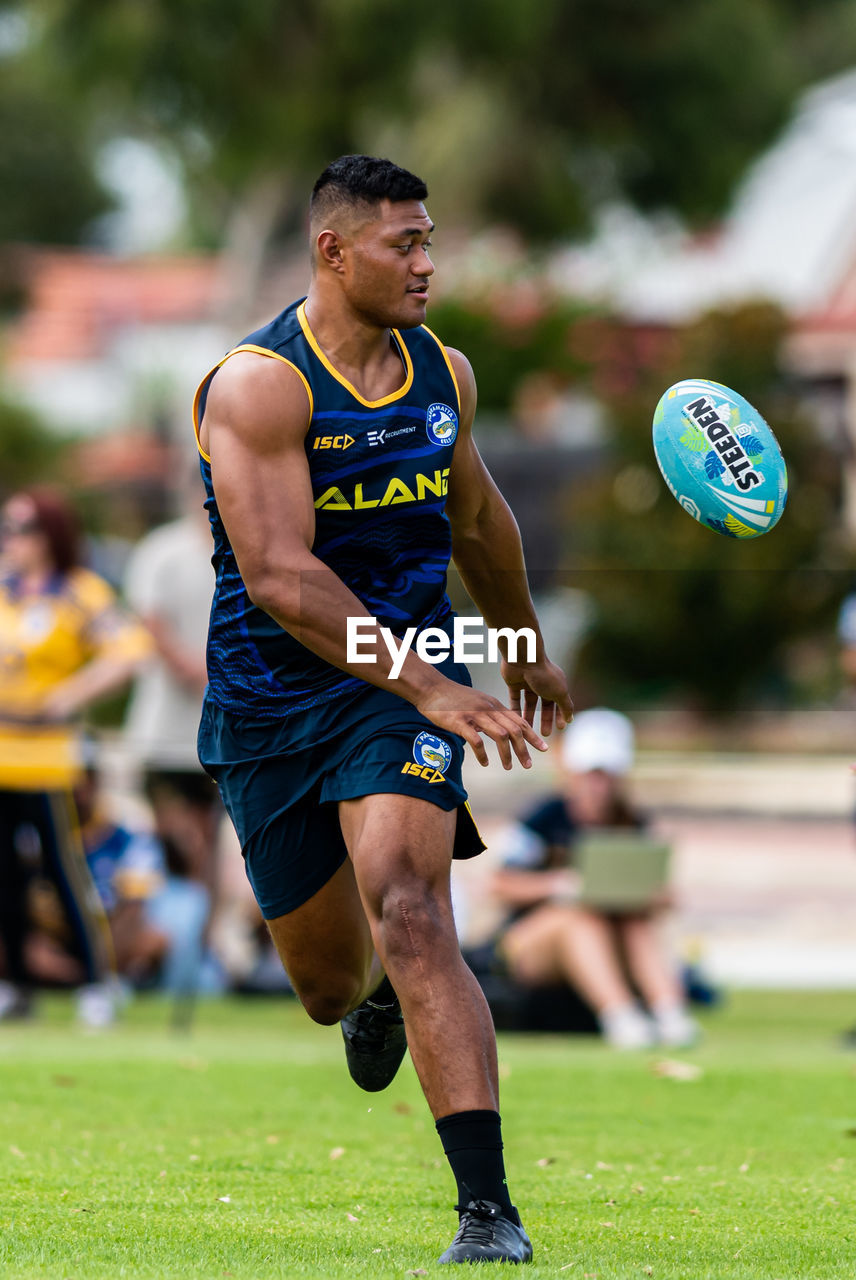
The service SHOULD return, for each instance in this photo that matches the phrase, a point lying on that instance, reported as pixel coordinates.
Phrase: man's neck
(361, 352)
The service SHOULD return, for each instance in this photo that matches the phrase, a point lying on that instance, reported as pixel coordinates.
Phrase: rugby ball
(719, 458)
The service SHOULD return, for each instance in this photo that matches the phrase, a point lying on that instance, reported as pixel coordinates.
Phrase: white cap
(598, 739)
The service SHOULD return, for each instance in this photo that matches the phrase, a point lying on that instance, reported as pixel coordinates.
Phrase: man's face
(387, 266)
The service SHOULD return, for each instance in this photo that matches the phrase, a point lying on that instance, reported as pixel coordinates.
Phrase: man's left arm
(488, 554)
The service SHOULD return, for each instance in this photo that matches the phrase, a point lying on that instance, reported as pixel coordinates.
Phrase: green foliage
(29, 452)
(528, 114)
(509, 333)
(50, 192)
(245, 1149)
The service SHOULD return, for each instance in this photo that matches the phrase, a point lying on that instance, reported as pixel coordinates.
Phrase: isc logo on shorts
(423, 771)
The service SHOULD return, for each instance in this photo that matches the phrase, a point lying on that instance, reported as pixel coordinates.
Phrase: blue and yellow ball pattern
(719, 458)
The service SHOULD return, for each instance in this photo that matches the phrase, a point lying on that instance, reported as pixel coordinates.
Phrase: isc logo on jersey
(431, 758)
(441, 424)
(333, 442)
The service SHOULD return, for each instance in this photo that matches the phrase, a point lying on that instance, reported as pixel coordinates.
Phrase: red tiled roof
(76, 300)
(122, 457)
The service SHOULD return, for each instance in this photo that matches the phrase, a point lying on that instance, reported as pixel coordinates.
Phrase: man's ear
(329, 248)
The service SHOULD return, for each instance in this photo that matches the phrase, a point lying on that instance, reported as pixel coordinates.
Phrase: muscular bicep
(256, 419)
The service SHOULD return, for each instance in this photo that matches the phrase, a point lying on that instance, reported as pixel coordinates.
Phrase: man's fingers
(473, 737)
(514, 698)
(547, 715)
(511, 733)
(503, 746)
(517, 738)
(530, 704)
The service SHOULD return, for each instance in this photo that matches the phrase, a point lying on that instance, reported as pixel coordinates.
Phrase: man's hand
(470, 713)
(527, 682)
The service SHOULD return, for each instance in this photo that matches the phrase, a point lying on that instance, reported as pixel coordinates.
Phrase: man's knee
(414, 920)
(328, 1002)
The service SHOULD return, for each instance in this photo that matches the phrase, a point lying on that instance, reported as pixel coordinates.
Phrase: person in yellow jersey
(64, 643)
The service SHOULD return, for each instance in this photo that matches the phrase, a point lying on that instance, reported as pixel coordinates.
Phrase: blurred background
(625, 194)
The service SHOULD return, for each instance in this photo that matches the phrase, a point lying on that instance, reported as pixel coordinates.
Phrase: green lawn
(243, 1149)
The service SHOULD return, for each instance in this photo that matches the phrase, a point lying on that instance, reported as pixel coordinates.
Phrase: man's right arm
(254, 428)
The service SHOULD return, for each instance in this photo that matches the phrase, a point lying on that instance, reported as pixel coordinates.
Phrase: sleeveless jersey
(379, 472)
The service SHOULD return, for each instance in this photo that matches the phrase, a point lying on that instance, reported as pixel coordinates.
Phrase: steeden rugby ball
(719, 458)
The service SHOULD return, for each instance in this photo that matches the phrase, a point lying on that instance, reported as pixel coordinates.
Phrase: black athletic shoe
(486, 1235)
(375, 1040)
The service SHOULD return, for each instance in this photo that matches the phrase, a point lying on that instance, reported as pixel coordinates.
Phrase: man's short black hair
(363, 180)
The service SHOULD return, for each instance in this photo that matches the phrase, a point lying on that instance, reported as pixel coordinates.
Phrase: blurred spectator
(128, 869)
(157, 920)
(170, 582)
(64, 643)
(608, 956)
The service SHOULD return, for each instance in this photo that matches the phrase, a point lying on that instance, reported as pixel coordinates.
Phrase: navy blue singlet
(379, 472)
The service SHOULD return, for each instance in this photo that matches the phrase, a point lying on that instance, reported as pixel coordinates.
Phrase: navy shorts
(281, 787)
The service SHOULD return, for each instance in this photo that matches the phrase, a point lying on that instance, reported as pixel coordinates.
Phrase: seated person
(128, 869)
(158, 916)
(550, 936)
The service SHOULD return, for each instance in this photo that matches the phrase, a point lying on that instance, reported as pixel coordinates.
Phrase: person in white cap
(550, 936)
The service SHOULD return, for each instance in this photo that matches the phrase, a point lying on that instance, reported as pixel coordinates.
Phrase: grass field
(243, 1150)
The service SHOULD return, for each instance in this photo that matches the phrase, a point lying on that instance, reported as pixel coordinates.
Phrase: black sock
(472, 1141)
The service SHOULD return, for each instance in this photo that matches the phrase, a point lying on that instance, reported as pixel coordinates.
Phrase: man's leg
(401, 850)
(326, 949)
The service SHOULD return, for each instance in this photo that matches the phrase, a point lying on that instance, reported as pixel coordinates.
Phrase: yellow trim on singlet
(259, 351)
(334, 372)
(449, 366)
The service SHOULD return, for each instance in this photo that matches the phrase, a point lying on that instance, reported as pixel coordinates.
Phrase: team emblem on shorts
(441, 424)
(431, 750)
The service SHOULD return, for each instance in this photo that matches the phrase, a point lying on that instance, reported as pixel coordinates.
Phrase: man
(342, 474)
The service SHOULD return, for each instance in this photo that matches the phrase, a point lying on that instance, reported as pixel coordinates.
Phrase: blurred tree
(530, 114)
(50, 192)
(30, 453)
(511, 333)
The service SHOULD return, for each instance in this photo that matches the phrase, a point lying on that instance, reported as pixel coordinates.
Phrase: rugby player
(341, 477)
